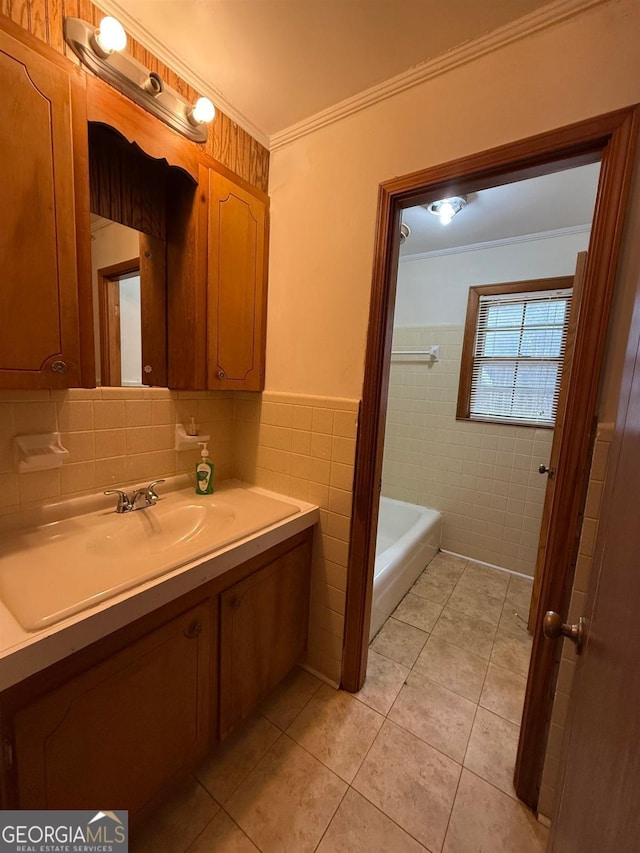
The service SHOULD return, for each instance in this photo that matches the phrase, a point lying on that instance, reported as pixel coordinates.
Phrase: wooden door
(41, 143)
(263, 633)
(237, 285)
(599, 807)
(122, 731)
(552, 463)
(153, 310)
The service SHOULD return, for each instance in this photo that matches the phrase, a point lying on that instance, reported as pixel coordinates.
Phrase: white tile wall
(483, 477)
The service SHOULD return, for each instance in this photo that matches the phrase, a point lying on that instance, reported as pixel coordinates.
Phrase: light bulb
(202, 111)
(110, 36)
(446, 213)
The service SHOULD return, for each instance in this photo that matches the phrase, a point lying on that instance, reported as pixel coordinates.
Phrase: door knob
(542, 469)
(553, 627)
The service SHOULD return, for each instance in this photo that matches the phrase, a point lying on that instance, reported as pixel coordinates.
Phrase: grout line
(209, 794)
(388, 817)
(333, 816)
(513, 799)
(313, 695)
(243, 831)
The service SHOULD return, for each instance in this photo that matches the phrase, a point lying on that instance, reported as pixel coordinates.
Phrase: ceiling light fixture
(102, 51)
(404, 232)
(446, 208)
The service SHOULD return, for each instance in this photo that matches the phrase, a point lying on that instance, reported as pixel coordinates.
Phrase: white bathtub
(408, 539)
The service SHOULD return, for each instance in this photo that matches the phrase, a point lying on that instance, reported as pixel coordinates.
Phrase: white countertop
(22, 653)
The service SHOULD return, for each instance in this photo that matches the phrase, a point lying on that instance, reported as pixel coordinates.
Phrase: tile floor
(420, 760)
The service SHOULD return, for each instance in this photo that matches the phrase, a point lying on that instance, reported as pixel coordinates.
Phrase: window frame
(463, 409)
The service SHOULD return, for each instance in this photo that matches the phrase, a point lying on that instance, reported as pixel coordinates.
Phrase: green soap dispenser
(204, 472)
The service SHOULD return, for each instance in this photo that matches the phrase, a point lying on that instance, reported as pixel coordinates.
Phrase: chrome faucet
(129, 504)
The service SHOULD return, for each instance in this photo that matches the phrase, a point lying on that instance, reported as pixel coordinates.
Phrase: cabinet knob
(148, 368)
(236, 602)
(193, 630)
(222, 374)
(59, 367)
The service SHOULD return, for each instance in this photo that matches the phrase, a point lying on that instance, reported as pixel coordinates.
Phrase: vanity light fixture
(202, 112)
(109, 37)
(102, 51)
(447, 208)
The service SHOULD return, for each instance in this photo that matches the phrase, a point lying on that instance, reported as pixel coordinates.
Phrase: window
(513, 351)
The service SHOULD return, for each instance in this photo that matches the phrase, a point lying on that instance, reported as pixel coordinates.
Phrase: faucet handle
(151, 489)
(124, 504)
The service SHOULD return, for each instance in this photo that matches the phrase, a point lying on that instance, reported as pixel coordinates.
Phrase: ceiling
(281, 61)
(548, 203)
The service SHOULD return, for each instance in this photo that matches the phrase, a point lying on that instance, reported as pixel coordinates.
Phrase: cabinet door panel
(237, 285)
(123, 730)
(263, 633)
(38, 292)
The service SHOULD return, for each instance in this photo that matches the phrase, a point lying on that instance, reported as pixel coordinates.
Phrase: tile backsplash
(483, 477)
(114, 436)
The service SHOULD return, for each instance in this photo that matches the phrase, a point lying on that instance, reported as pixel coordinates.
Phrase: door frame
(611, 139)
(108, 278)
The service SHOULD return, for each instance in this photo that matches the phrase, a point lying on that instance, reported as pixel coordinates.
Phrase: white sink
(152, 530)
(52, 571)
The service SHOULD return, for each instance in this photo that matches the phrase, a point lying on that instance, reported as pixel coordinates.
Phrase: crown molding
(541, 19)
(165, 54)
(495, 244)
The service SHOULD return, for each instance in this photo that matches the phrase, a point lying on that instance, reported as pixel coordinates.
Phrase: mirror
(115, 270)
(128, 257)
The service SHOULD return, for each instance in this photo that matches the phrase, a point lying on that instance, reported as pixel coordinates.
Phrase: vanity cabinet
(121, 721)
(122, 730)
(263, 633)
(45, 296)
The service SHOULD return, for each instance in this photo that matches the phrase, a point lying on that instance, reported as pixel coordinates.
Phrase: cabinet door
(237, 285)
(122, 731)
(39, 304)
(263, 633)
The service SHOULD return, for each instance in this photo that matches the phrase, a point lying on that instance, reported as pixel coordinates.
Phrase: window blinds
(519, 350)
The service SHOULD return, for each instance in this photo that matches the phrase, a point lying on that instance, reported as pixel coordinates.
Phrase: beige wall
(324, 185)
(483, 477)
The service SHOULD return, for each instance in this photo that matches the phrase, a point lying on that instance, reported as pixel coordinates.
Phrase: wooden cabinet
(263, 633)
(236, 284)
(121, 731)
(217, 237)
(45, 291)
(123, 720)
(217, 260)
